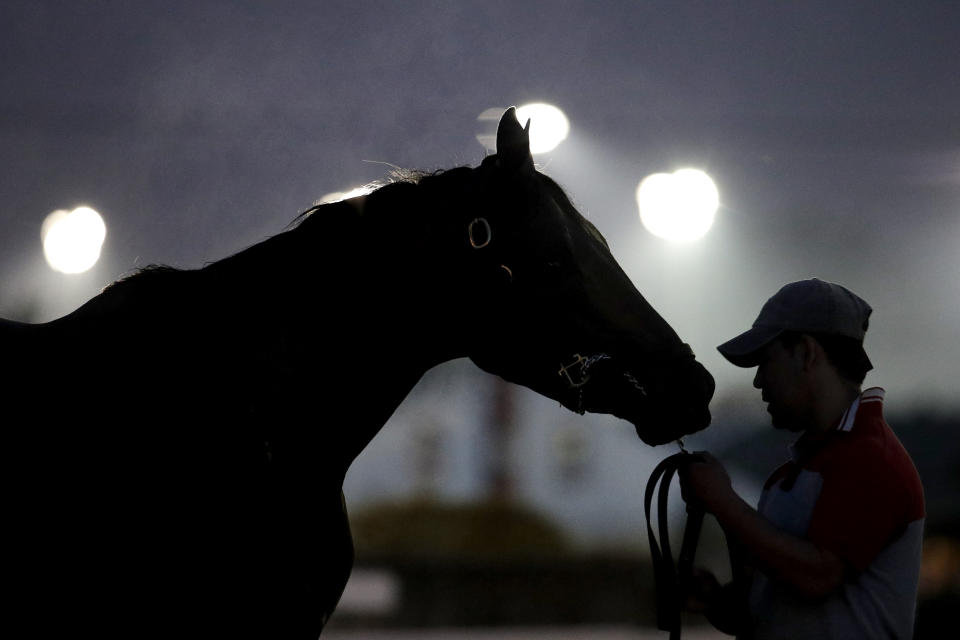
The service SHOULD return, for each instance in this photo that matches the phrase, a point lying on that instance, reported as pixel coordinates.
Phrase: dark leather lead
(672, 581)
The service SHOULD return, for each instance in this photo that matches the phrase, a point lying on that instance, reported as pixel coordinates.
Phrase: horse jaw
(673, 405)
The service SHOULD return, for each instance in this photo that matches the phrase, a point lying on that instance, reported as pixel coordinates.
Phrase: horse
(187, 482)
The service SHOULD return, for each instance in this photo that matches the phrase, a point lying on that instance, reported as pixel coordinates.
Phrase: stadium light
(678, 206)
(548, 126)
(72, 239)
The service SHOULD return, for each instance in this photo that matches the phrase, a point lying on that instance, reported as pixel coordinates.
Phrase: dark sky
(197, 128)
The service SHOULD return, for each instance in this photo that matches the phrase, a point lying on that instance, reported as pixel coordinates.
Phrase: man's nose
(756, 380)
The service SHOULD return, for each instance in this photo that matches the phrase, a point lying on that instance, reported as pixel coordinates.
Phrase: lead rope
(672, 582)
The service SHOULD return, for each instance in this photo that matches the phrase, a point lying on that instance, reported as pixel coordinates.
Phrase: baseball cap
(807, 306)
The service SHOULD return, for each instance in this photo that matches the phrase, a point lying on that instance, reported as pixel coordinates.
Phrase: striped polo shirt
(859, 496)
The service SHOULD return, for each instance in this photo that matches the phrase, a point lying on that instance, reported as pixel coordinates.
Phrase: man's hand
(811, 571)
(705, 480)
(704, 589)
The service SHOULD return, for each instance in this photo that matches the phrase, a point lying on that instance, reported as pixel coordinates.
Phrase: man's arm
(812, 572)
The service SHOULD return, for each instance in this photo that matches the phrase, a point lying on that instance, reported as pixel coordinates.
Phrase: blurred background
(830, 133)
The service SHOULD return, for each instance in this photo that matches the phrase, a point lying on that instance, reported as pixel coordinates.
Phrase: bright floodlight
(678, 206)
(72, 240)
(548, 126)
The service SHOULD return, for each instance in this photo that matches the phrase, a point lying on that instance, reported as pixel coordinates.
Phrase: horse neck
(385, 302)
(362, 282)
(398, 268)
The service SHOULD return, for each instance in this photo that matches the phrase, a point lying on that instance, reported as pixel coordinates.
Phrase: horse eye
(552, 267)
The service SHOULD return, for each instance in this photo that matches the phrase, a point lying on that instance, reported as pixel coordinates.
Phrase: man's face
(782, 383)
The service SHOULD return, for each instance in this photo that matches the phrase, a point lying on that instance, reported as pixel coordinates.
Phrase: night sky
(196, 129)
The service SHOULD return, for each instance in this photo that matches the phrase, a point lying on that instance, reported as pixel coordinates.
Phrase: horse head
(550, 308)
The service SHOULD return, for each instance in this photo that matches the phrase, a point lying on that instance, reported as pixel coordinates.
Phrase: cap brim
(744, 350)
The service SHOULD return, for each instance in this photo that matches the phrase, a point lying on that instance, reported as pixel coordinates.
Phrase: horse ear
(513, 142)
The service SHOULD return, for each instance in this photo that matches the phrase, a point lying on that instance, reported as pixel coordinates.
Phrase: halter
(480, 235)
(488, 234)
(584, 364)
(683, 353)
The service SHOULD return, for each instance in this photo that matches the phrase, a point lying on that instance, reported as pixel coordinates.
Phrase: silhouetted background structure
(831, 129)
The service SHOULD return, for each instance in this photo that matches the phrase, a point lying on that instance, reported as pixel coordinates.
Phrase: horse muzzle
(683, 407)
(662, 408)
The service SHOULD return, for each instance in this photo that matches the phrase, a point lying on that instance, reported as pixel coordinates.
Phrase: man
(835, 543)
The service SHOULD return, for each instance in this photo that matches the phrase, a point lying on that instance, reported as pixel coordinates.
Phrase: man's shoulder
(870, 459)
(866, 440)
(876, 442)
(869, 448)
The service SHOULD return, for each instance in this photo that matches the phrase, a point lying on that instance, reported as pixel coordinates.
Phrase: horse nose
(699, 411)
(708, 384)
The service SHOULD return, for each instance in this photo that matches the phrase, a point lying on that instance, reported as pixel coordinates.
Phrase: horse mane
(150, 275)
(398, 179)
(154, 276)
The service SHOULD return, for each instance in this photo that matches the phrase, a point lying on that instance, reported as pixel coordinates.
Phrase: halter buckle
(565, 371)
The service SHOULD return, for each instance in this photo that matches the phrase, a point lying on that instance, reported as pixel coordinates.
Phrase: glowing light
(679, 206)
(337, 196)
(548, 126)
(72, 240)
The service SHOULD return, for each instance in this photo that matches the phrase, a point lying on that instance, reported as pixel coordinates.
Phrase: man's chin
(782, 423)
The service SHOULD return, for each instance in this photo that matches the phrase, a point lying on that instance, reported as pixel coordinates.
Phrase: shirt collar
(871, 395)
(850, 415)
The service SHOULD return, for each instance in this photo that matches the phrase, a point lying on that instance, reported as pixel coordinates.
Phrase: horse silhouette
(187, 480)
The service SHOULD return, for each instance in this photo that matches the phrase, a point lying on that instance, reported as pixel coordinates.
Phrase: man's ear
(811, 352)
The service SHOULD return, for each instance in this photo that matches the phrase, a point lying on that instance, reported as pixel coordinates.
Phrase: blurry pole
(571, 452)
(500, 428)
(428, 447)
